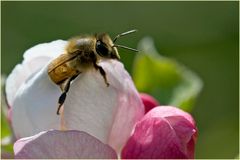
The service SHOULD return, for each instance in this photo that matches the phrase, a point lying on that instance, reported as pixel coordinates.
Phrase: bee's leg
(61, 101)
(65, 89)
(102, 72)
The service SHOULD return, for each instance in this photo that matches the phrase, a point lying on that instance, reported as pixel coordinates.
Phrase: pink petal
(148, 101)
(169, 111)
(62, 144)
(164, 132)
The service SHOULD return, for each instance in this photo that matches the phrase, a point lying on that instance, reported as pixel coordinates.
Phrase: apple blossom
(90, 106)
(98, 121)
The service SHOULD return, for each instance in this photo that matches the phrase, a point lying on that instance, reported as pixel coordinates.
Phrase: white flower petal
(108, 113)
(31, 93)
(52, 50)
(34, 59)
(35, 104)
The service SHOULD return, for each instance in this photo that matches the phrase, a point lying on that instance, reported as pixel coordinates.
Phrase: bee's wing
(63, 58)
(59, 70)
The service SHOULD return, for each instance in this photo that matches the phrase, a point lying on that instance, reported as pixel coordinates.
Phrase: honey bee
(83, 53)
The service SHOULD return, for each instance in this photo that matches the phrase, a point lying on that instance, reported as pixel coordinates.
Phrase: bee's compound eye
(101, 49)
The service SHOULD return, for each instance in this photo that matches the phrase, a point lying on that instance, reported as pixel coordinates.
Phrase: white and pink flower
(98, 121)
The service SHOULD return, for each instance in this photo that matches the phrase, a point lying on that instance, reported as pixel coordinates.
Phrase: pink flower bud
(148, 101)
(164, 132)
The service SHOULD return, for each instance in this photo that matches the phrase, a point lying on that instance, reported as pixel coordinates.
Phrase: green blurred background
(201, 35)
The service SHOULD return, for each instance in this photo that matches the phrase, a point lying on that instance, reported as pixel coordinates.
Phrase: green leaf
(167, 80)
(7, 148)
(6, 134)
(5, 129)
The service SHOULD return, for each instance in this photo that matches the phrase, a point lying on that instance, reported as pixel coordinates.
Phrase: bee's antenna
(125, 47)
(123, 34)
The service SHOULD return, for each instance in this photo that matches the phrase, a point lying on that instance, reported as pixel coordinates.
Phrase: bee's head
(106, 48)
